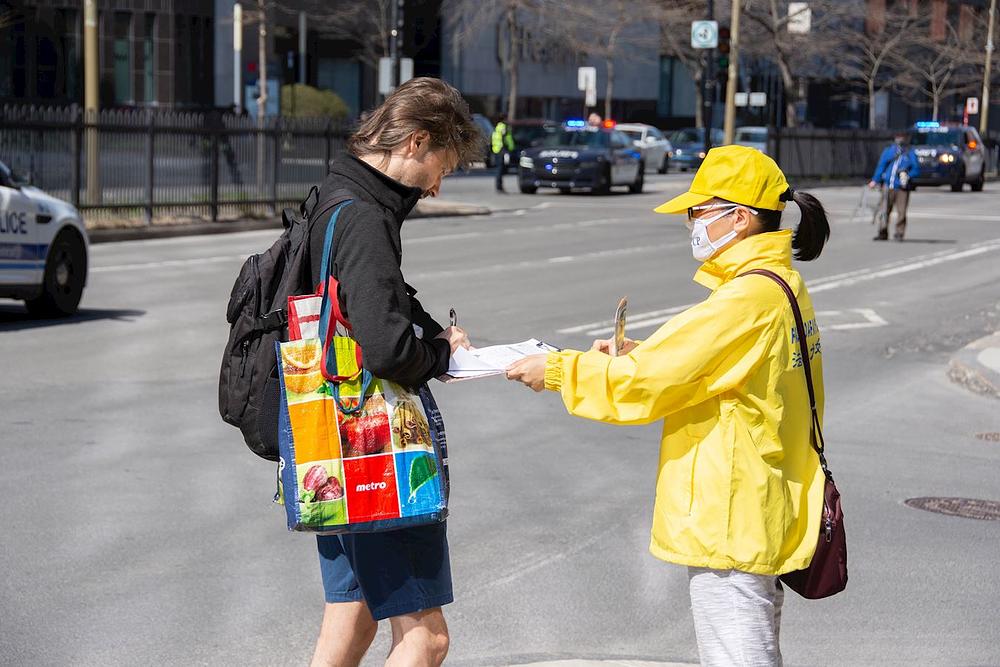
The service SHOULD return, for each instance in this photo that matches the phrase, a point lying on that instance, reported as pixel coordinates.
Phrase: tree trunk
(515, 52)
(609, 88)
(699, 100)
(609, 62)
(937, 105)
(791, 92)
(871, 103)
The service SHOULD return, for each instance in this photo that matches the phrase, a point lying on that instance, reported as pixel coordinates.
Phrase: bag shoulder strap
(816, 430)
(336, 203)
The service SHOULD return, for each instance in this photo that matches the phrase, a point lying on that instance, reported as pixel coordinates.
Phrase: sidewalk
(424, 209)
(977, 366)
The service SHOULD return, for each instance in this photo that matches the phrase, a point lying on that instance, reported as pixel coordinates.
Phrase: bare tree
(519, 26)
(611, 31)
(932, 70)
(675, 20)
(796, 55)
(868, 55)
(366, 23)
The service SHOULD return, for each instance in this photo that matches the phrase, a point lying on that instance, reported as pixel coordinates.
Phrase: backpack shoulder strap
(321, 208)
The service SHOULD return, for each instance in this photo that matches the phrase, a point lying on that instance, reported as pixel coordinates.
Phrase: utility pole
(395, 41)
(984, 106)
(302, 48)
(708, 85)
(262, 64)
(237, 57)
(91, 99)
(261, 91)
(729, 125)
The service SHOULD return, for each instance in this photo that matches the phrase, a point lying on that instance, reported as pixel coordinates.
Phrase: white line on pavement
(927, 215)
(872, 320)
(536, 263)
(658, 317)
(976, 249)
(173, 263)
(169, 263)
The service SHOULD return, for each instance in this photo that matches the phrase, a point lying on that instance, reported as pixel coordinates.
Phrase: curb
(422, 210)
(977, 366)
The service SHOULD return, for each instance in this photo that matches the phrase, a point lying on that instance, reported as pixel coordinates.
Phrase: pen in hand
(454, 335)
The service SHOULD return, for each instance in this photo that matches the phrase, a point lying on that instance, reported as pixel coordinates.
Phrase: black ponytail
(814, 228)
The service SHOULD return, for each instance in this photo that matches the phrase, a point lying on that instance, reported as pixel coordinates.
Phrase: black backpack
(258, 318)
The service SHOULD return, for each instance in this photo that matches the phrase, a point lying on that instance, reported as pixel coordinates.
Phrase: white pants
(737, 617)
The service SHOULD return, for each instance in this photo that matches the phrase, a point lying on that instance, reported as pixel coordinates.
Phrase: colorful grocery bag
(358, 453)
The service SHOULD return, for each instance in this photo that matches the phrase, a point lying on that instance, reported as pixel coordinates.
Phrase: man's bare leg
(345, 635)
(419, 639)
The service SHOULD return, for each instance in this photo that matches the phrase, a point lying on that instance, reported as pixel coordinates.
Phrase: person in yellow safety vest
(739, 491)
(502, 144)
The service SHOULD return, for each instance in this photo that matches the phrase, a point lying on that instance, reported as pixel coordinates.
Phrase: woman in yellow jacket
(740, 489)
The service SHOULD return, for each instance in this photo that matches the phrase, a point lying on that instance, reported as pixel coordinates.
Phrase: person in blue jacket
(897, 167)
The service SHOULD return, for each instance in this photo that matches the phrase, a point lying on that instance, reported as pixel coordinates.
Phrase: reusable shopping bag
(357, 453)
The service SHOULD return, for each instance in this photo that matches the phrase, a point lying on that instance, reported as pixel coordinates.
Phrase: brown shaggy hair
(423, 103)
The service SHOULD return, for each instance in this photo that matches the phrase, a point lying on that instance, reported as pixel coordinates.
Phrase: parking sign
(704, 34)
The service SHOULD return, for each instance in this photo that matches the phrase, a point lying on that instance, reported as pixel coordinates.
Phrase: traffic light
(723, 49)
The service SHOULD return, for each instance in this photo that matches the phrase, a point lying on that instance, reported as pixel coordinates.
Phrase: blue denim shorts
(394, 573)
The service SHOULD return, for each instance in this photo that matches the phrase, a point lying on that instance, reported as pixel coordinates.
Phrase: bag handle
(337, 203)
(816, 431)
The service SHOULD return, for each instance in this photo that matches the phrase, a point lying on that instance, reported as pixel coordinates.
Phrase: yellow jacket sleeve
(706, 350)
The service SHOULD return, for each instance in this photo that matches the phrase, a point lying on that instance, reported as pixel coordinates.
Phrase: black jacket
(380, 306)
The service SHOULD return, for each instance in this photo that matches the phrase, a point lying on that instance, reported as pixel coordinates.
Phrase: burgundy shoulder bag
(826, 574)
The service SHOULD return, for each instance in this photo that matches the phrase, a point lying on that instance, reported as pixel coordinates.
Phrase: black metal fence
(148, 163)
(807, 153)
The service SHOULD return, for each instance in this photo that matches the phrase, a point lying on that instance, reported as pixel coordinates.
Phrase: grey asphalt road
(137, 528)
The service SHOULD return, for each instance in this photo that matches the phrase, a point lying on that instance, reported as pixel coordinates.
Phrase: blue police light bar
(928, 123)
(575, 123)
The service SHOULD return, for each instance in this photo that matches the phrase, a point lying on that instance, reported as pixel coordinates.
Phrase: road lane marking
(872, 319)
(168, 263)
(635, 320)
(548, 261)
(175, 263)
(923, 215)
(875, 274)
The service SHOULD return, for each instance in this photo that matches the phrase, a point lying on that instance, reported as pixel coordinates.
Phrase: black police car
(581, 156)
(949, 155)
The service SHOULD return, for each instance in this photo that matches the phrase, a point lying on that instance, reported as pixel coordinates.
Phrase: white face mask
(702, 247)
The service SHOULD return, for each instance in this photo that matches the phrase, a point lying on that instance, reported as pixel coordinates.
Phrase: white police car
(43, 249)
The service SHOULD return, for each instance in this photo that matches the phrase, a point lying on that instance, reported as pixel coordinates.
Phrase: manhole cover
(970, 508)
(989, 437)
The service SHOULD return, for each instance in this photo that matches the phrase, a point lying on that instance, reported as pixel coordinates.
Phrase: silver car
(653, 145)
(753, 136)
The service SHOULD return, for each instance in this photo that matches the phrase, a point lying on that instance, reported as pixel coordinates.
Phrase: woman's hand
(530, 371)
(604, 345)
(456, 337)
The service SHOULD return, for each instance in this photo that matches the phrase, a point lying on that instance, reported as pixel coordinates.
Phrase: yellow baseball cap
(738, 174)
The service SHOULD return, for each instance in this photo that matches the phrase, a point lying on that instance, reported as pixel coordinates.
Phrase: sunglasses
(692, 213)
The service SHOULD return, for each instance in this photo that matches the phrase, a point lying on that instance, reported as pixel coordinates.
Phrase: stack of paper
(494, 360)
